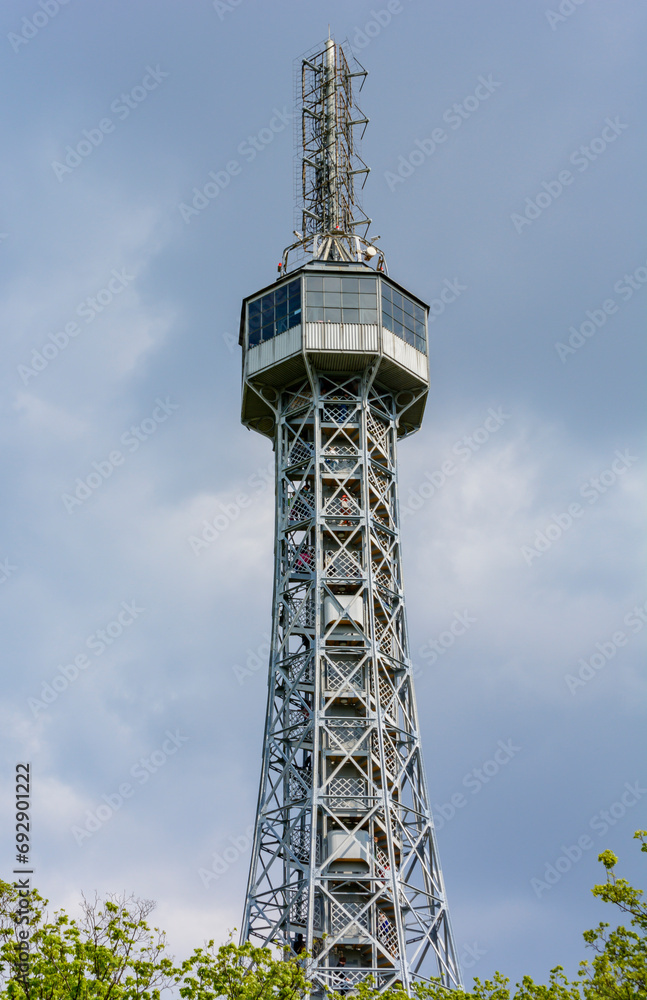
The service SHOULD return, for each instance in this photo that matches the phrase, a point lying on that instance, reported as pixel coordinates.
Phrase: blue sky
(120, 312)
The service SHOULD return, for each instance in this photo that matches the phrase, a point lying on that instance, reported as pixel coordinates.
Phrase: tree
(241, 972)
(111, 953)
(619, 969)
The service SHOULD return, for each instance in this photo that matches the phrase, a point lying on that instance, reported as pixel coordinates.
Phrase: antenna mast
(333, 225)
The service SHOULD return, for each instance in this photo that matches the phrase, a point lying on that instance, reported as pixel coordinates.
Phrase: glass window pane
(268, 307)
(294, 318)
(282, 324)
(314, 314)
(254, 338)
(332, 315)
(398, 315)
(315, 298)
(282, 309)
(397, 298)
(255, 308)
(368, 315)
(332, 298)
(294, 288)
(332, 284)
(398, 329)
(419, 328)
(368, 301)
(314, 283)
(367, 284)
(281, 294)
(254, 321)
(407, 305)
(351, 315)
(386, 292)
(409, 337)
(350, 299)
(349, 284)
(387, 321)
(419, 313)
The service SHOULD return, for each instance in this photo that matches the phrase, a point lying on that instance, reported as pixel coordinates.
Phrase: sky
(507, 161)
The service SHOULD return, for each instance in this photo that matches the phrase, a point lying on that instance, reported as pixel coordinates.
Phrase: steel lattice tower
(335, 370)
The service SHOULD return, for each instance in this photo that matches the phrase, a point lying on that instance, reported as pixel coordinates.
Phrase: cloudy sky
(507, 160)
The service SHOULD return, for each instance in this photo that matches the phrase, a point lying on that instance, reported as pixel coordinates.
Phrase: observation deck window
(339, 299)
(403, 317)
(274, 313)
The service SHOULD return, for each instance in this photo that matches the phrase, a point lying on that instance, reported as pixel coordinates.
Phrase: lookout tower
(335, 371)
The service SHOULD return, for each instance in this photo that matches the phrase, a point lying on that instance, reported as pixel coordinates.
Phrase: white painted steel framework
(344, 861)
(344, 857)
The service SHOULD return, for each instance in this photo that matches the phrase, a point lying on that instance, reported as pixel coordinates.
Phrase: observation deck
(338, 318)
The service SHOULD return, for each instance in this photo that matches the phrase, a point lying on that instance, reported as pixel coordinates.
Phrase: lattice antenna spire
(330, 126)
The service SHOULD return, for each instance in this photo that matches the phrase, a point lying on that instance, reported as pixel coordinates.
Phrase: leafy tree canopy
(111, 953)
